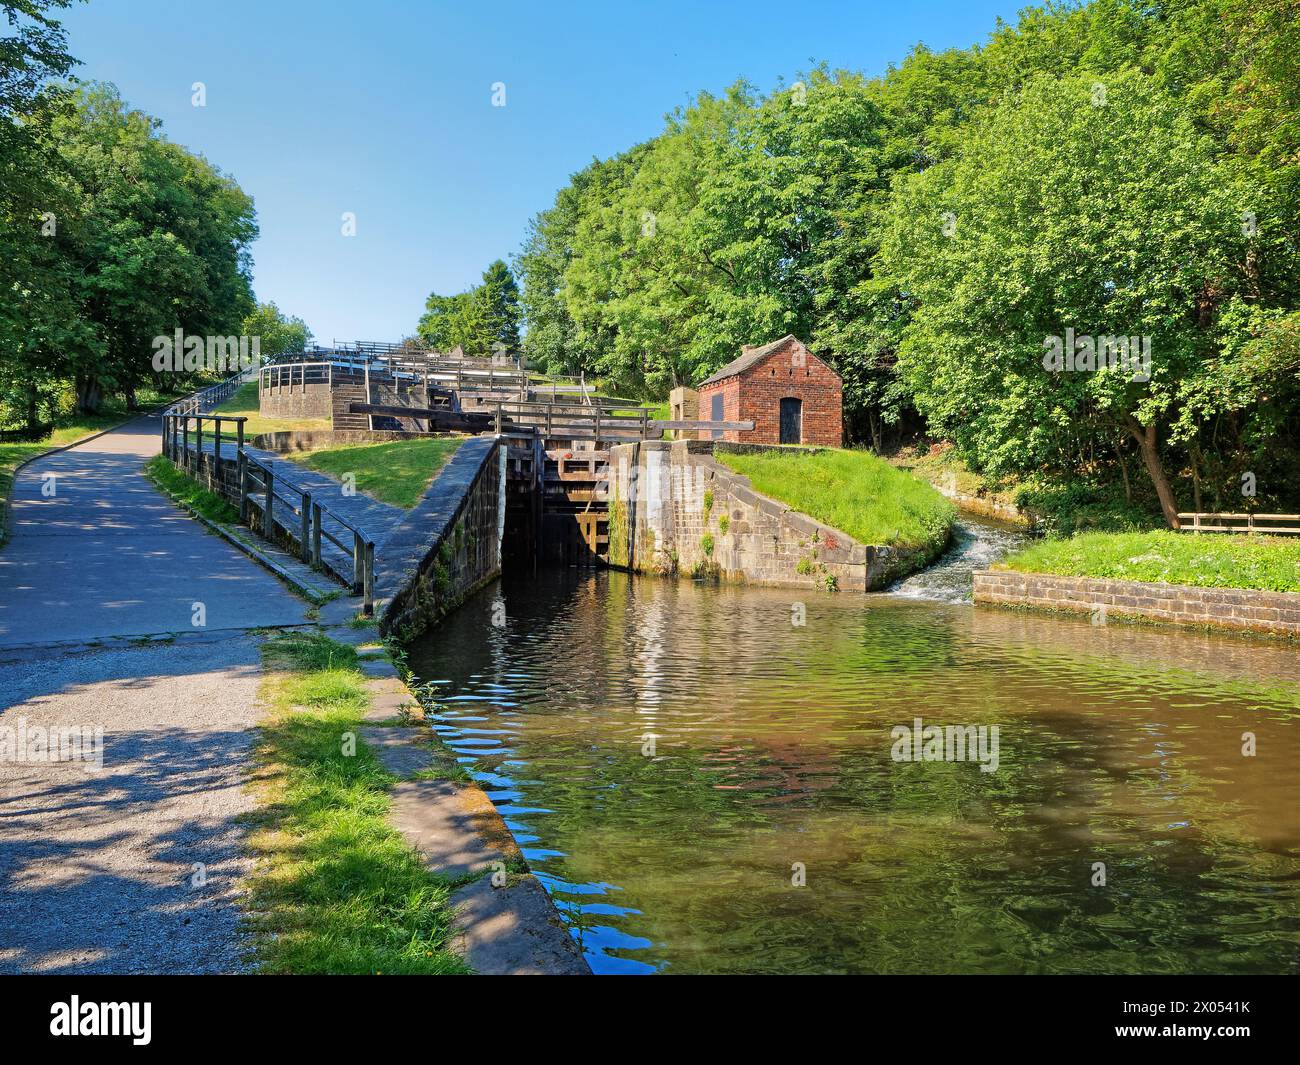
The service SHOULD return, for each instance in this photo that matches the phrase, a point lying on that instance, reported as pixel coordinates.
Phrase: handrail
(257, 484)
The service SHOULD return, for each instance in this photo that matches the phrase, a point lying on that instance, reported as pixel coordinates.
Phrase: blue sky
(384, 109)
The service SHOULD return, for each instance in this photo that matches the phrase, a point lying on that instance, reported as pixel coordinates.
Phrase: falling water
(976, 544)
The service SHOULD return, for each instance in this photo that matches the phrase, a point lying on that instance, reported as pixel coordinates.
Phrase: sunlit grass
(396, 472)
(1269, 563)
(853, 491)
(337, 889)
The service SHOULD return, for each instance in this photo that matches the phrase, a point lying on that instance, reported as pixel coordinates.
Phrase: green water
(670, 756)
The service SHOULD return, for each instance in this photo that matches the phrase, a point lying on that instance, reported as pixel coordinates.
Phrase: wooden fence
(270, 504)
(1201, 522)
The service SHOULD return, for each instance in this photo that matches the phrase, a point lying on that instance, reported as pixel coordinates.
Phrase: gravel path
(98, 868)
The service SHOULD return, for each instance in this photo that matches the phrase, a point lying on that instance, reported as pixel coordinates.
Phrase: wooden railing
(208, 398)
(1201, 522)
(269, 502)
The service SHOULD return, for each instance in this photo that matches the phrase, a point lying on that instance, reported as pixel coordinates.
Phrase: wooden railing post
(498, 417)
(239, 431)
(185, 443)
(368, 581)
(241, 472)
(358, 562)
(315, 534)
(268, 517)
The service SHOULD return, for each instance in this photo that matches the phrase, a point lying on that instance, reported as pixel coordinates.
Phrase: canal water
(709, 779)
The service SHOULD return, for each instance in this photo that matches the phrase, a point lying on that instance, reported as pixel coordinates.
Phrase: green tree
(279, 334)
(1102, 213)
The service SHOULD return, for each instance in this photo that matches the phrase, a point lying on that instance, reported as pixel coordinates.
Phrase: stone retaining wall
(448, 545)
(296, 401)
(1277, 613)
(674, 510)
(315, 439)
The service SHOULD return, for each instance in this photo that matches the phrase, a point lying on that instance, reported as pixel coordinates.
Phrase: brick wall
(756, 393)
(1179, 604)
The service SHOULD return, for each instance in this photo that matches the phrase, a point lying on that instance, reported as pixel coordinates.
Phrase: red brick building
(790, 395)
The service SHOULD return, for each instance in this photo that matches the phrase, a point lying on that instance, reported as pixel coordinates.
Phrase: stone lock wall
(674, 510)
(296, 401)
(448, 545)
(1277, 613)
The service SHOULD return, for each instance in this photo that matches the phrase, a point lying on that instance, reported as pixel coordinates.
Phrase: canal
(706, 777)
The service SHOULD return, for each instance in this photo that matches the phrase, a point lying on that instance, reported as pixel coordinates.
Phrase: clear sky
(384, 109)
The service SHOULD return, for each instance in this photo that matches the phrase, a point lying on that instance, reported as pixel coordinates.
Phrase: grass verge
(1264, 563)
(337, 890)
(397, 472)
(853, 491)
(160, 470)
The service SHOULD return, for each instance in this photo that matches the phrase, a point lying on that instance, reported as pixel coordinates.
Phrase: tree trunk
(32, 423)
(1147, 445)
(90, 394)
(1123, 469)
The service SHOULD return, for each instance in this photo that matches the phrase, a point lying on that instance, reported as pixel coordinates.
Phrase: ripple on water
(672, 755)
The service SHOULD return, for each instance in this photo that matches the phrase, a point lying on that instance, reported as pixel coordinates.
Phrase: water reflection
(667, 752)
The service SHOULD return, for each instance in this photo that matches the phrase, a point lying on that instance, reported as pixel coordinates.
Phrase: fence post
(239, 435)
(241, 467)
(304, 535)
(498, 417)
(368, 581)
(216, 441)
(268, 519)
(185, 443)
(597, 426)
(315, 533)
(358, 562)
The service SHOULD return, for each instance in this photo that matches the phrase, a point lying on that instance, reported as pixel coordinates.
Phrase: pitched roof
(750, 357)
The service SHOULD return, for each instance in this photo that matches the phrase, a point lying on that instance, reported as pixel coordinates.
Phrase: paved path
(134, 867)
(107, 555)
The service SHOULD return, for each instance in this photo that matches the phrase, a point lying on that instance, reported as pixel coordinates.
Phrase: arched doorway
(791, 420)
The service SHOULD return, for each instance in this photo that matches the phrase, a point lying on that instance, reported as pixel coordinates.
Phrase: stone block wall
(674, 510)
(1277, 613)
(448, 545)
(296, 401)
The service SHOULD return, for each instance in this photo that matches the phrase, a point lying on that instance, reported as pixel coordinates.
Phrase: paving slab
(454, 826)
(513, 930)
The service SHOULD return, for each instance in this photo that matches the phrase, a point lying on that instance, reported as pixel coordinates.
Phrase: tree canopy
(1118, 169)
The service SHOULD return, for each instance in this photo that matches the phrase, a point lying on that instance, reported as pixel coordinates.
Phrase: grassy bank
(1058, 507)
(337, 890)
(245, 402)
(853, 491)
(397, 472)
(1266, 563)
